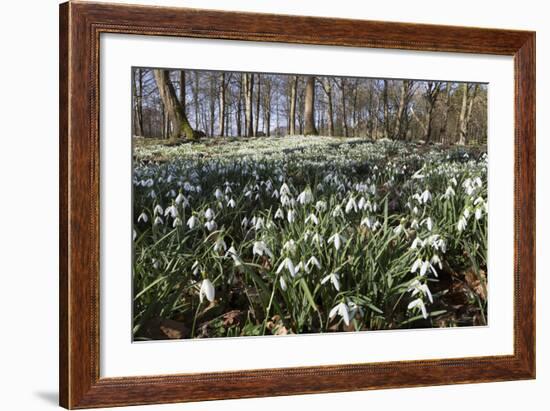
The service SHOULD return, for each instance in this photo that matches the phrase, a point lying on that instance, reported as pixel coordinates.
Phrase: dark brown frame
(80, 27)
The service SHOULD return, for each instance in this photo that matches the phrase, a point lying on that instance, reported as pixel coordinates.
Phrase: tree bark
(432, 92)
(293, 97)
(327, 86)
(222, 104)
(138, 102)
(445, 117)
(173, 108)
(182, 90)
(248, 83)
(397, 129)
(309, 107)
(258, 97)
(386, 110)
(466, 112)
(344, 108)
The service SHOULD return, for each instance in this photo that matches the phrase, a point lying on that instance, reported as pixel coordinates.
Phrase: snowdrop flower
(233, 254)
(207, 290)
(258, 223)
(231, 203)
(287, 262)
(283, 283)
(211, 225)
(337, 212)
(312, 262)
(426, 196)
(279, 214)
(143, 217)
(290, 216)
(285, 190)
(478, 213)
(171, 211)
(275, 194)
(158, 221)
(414, 224)
(317, 239)
(177, 222)
(428, 222)
(305, 197)
(196, 268)
(152, 194)
(449, 193)
(337, 240)
(398, 230)
(417, 287)
(209, 214)
(436, 260)
(170, 193)
(158, 210)
(180, 198)
(424, 268)
(334, 279)
(417, 242)
(342, 310)
(362, 203)
(321, 206)
(260, 248)
(416, 265)
(218, 194)
(192, 222)
(220, 245)
(290, 246)
(461, 224)
(351, 205)
(418, 303)
(312, 218)
(244, 222)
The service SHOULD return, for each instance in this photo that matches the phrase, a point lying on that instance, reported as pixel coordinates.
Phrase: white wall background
(29, 191)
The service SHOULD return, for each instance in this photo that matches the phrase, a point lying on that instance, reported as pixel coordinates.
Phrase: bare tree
(469, 92)
(326, 83)
(445, 115)
(399, 129)
(309, 107)
(138, 102)
(293, 96)
(433, 88)
(258, 97)
(248, 83)
(222, 104)
(386, 109)
(174, 109)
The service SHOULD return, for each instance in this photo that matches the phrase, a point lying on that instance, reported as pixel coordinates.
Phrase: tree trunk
(462, 127)
(248, 83)
(309, 107)
(258, 96)
(293, 97)
(344, 115)
(397, 129)
(238, 114)
(222, 104)
(182, 90)
(328, 90)
(196, 100)
(445, 117)
(173, 108)
(138, 102)
(386, 110)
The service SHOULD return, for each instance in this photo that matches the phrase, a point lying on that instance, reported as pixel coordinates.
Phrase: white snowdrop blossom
(461, 224)
(220, 245)
(290, 216)
(337, 240)
(211, 225)
(417, 287)
(287, 262)
(209, 214)
(177, 222)
(279, 214)
(450, 192)
(260, 248)
(341, 310)
(418, 303)
(305, 197)
(218, 194)
(351, 205)
(334, 278)
(428, 223)
(171, 211)
(290, 246)
(143, 217)
(313, 261)
(321, 206)
(312, 218)
(231, 252)
(207, 290)
(231, 203)
(158, 210)
(192, 222)
(283, 283)
(158, 221)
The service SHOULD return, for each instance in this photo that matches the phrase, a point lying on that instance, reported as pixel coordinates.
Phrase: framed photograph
(256, 205)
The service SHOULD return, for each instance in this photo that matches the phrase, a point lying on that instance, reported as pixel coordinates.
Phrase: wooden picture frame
(80, 27)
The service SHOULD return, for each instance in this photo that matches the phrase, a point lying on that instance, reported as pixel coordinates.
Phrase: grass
(273, 236)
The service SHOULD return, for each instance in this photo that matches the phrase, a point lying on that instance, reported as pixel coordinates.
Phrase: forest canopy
(174, 104)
